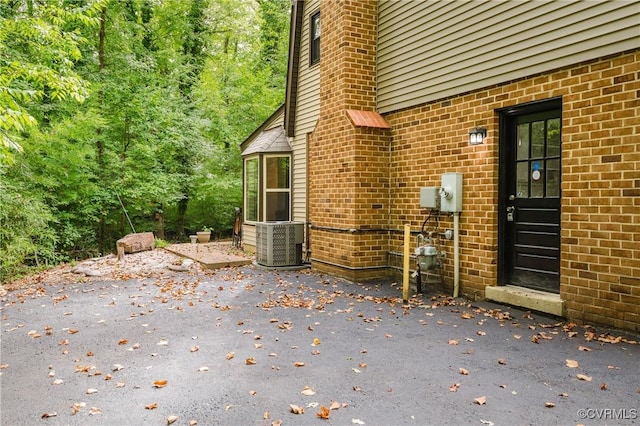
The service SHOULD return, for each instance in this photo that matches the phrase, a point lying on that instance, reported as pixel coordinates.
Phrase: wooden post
(405, 269)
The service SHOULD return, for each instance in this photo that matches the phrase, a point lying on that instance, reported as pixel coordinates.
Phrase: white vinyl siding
(428, 50)
(307, 112)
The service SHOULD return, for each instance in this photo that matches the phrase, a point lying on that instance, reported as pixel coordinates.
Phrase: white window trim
(266, 190)
(256, 157)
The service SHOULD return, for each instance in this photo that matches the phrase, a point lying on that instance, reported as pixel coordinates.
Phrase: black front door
(529, 221)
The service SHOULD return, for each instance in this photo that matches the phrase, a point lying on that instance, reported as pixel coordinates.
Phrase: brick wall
(600, 240)
(348, 166)
(364, 183)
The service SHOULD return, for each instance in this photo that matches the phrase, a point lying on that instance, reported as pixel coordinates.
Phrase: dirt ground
(160, 262)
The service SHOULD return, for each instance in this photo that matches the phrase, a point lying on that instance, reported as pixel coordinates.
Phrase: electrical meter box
(429, 198)
(451, 192)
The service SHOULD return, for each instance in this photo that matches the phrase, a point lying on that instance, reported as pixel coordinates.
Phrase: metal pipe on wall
(456, 254)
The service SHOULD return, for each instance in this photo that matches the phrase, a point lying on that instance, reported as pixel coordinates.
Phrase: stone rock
(86, 272)
(133, 243)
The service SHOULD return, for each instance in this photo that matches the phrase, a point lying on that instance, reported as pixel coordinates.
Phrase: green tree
(39, 45)
(142, 102)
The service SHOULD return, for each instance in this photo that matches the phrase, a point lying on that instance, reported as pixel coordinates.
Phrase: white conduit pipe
(456, 254)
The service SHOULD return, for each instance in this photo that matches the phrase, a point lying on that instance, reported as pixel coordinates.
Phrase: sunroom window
(277, 188)
(252, 189)
(267, 177)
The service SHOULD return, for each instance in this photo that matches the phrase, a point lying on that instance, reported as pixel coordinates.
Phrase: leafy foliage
(117, 116)
(38, 47)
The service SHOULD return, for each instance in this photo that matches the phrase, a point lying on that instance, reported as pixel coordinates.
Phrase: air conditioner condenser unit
(279, 243)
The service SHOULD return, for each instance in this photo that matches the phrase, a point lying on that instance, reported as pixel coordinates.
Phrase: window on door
(314, 39)
(538, 159)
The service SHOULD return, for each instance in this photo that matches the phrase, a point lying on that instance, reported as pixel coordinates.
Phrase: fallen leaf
(583, 377)
(481, 333)
(307, 391)
(464, 371)
(357, 422)
(47, 415)
(171, 419)
(453, 342)
(535, 338)
(603, 386)
(201, 369)
(151, 406)
(250, 361)
(77, 407)
(298, 364)
(3, 366)
(454, 387)
(564, 395)
(94, 410)
(91, 391)
(584, 348)
(57, 382)
(571, 363)
(334, 405)
(480, 400)
(194, 348)
(123, 341)
(117, 367)
(160, 383)
(276, 422)
(120, 385)
(502, 361)
(193, 422)
(266, 415)
(486, 422)
(324, 412)
(230, 355)
(253, 393)
(296, 410)
(163, 342)
(549, 404)
(316, 342)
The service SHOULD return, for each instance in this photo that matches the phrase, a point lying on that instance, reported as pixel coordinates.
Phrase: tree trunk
(182, 210)
(159, 218)
(102, 226)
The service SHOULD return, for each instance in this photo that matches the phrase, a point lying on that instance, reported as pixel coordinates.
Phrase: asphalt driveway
(246, 346)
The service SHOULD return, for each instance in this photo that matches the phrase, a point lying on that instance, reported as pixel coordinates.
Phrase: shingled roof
(271, 140)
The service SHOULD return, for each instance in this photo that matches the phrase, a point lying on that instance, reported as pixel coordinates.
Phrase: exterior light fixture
(477, 135)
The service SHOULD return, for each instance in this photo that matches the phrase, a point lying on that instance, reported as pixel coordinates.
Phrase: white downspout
(456, 254)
